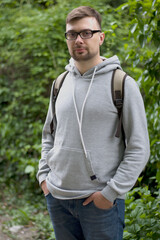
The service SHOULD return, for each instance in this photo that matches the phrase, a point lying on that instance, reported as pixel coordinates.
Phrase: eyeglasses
(84, 34)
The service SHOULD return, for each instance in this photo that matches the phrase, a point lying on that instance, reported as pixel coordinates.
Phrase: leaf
(142, 40)
(158, 176)
(122, 7)
(126, 235)
(153, 3)
(134, 28)
(29, 169)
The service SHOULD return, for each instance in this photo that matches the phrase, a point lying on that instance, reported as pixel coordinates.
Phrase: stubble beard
(81, 57)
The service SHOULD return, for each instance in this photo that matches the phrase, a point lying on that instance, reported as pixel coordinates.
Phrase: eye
(86, 33)
(71, 34)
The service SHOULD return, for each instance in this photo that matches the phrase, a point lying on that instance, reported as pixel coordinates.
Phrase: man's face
(85, 49)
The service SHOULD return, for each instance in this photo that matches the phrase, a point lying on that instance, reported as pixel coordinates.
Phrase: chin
(81, 57)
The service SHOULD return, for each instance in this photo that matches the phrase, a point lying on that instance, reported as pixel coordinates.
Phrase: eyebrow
(80, 30)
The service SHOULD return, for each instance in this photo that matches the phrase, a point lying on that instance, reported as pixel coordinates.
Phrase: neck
(84, 66)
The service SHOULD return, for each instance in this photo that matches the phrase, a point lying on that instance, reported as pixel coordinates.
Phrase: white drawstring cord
(82, 110)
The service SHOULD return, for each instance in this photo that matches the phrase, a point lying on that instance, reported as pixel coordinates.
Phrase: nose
(79, 39)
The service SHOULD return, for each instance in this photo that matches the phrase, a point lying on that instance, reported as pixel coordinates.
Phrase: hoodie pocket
(70, 169)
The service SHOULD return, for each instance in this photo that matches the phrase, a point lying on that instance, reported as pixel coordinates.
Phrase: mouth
(79, 50)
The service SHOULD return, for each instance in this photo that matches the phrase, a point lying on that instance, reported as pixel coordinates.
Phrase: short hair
(82, 12)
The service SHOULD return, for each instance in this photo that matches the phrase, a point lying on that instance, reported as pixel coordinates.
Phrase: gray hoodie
(83, 155)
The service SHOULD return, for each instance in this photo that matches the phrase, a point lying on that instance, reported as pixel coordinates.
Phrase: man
(85, 170)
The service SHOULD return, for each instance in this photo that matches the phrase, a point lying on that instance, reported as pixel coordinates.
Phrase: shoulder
(130, 82)
(132, 94)
(131, 86)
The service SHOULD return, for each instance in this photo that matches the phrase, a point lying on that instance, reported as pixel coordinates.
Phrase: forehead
(84, 23)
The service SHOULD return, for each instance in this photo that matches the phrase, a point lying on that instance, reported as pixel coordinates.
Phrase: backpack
(117, 89)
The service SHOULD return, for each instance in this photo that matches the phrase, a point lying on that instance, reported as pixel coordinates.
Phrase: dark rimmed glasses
(84, 34)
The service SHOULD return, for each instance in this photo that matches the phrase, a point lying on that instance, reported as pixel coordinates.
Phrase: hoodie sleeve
(47, 144)
(137, 149)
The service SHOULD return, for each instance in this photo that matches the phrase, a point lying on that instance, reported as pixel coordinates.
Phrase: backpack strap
(118, 80)
(56, 88)
(58, 83)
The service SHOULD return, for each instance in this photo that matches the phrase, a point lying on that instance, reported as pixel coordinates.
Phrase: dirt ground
(24, 232)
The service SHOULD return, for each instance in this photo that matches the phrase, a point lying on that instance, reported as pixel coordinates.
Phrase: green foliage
(143, 53)
(142, 215)
(33, 53)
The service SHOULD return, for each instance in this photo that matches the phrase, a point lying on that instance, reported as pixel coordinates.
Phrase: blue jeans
(73, 221)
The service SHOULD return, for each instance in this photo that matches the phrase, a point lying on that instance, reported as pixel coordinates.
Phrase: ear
(102, 37)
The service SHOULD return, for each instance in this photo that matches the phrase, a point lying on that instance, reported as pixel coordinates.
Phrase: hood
(107, 65)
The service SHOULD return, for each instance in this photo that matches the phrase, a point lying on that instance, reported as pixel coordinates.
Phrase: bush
(142, 215)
